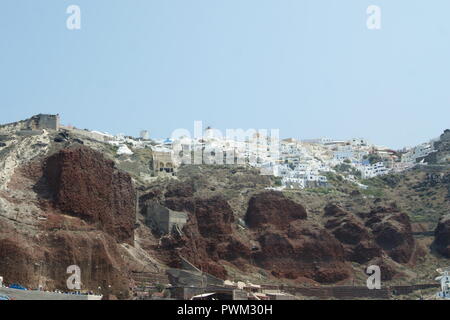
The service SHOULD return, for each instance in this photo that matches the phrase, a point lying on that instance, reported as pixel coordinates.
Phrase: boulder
(392, 232)
(305, 251)
(273, 208)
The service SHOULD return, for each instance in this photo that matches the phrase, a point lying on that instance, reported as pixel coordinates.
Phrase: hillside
(66, 199)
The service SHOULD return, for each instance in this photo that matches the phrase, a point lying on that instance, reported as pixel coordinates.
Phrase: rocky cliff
(442, 236)
(66, 206)
(62, 204)
(86, 185)
(281, 239)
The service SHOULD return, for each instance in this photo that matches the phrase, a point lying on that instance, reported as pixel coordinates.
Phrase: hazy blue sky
(308, 67)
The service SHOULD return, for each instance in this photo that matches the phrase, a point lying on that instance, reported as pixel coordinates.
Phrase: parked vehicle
(17, 286)
(3, 298)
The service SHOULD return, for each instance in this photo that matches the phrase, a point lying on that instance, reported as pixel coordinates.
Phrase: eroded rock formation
(86, 185)
(392, 232)
(273, 208)
(304, 250)
(76, 209)
(442, 236)
(207, 237)
(358, 242)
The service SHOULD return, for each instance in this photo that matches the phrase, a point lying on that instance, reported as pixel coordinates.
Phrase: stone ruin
(43, 121)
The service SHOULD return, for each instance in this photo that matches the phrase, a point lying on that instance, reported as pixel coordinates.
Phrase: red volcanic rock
(273, 208)
(235, 250)
(305, 251)
(387, 269)
(86, 185)
(16, 261)
(347, 230)
(393, 233)
(42, 259)
(179, 189)
(214, 216)
(442, 236)
(180, 204)
(385, 229)
(351, 232)
(333, 210)
(208, 235)
(363, 251)
(289, 247)
(46, 264)
(95, 253)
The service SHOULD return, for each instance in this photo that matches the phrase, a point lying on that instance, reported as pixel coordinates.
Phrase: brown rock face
(82, 206)
(208, 235)
(345, 226)
(281, 241)
(214, 217)
(43, 261)
(305, 251)
(388, 270)
(365, 238)
(17, 262)
(96, 255)
(442, 236)
(86, 185)
(290, 246)
(393, 233)
(179, 189)
(273, 208)
(358, 243)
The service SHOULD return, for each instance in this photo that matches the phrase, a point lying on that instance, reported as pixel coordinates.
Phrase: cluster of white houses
(297, 163)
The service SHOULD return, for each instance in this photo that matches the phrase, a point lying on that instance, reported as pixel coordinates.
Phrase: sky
(310, 68)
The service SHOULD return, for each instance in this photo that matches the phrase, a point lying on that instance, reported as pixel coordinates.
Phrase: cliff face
(44, 261)
(442, 236)
(357, 240)
(274, 209)
(282, 239)
(392, 232)
(303, 250)
(290, 246)
(71, 208)
(86, 185)
(208, 237)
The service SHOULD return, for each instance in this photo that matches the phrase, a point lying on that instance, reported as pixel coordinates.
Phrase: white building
(371, 171)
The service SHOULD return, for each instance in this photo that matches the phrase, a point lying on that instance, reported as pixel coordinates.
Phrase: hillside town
(297, 164)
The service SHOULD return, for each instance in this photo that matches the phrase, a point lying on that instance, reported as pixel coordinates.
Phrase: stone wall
(43, 121)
